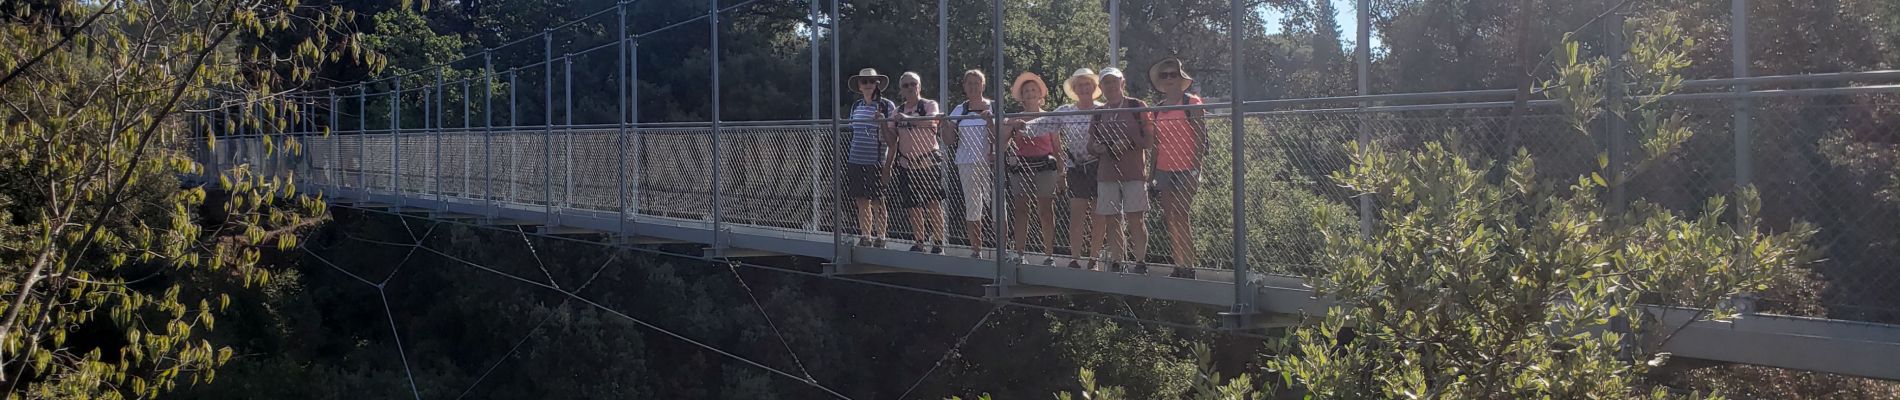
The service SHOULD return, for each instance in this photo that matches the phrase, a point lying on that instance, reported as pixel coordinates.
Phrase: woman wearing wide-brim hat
(1180, 145)
(1036, 169)
(869, 157)
(1085, 230)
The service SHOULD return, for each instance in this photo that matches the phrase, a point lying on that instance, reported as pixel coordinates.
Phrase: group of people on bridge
(1110, 164)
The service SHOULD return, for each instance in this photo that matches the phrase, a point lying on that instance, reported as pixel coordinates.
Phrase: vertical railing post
(840, 253)
(488, 130)
(999, 145)
(547, 125)
(468, 130)
(1114, 33)
(1744, 129)
(395, 140)
(567, 134)
(208, 159)
(1362, 55)
(1744, 136)
(718, 244)
(336, 145)
(1243, 282)
(514, 149)
(432, 121)
(620, 137)
(633, 118)
(1615, 129)
(362, 137)
(817, 148)
(943, 58)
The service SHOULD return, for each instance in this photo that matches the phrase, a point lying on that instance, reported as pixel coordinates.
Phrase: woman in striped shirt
(868, 161)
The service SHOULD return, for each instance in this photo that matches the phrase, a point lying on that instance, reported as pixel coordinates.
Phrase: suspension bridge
(746, 189)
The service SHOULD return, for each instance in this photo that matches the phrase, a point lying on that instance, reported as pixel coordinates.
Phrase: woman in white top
(971, 137)
(1081, 164)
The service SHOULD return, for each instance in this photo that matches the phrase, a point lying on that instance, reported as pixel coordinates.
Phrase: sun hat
(1081, 73)
(869, 73)
(1111, 71)
(1028, 78)
(1154, 72)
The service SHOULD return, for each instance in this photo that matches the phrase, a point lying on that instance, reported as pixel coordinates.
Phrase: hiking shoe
(1048, 261)
(1182, 272)
(1075, 264)
(1115, 267)
(864, 242)
(936, 248)
(879, 242)
(1141, 268)
(918, 248)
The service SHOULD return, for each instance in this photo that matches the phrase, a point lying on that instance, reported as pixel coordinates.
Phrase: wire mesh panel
(457, 161)
(1833, 162)
(378, 159)
(767, 176)
(320, 152)
(418, 161)
(674, 172)
(970, 185)
(594, 181)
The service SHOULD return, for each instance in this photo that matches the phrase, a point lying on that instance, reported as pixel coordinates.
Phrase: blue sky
(1345, 12)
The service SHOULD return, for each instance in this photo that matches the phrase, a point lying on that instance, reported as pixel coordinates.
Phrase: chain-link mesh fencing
(1827, 161)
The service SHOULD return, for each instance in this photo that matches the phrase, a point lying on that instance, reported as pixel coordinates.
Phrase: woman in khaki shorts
(1036, 169)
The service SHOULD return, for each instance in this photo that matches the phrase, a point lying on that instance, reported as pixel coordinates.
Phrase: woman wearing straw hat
(869, 158)
(1085, 230)
(1036, 170)
(971, 137)
(918, 179)
(1180, 143)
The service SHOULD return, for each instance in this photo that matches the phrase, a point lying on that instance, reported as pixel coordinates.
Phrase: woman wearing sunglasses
(869, 158)
(1180, 144)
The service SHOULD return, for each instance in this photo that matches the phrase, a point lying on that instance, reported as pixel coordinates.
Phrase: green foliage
(1521, 287)
(114, 270)
(1279, 214)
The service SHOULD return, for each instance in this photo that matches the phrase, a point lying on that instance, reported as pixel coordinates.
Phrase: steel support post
(567, 133)
(943, 56)
(838, 250)
(999, 143)
(488, 129)
(1243, 285)
(633, 117)
(620, 136)
(718, 242)
(817, 141)
(395, 139)
(468, 130)
(432, 120)
(1743, 124)
(362, 133)
(1615, 129)
(547, 125)
(1362, 54)
(336, 144)
(1114, 33)
(1744, 136)
(514, 132)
